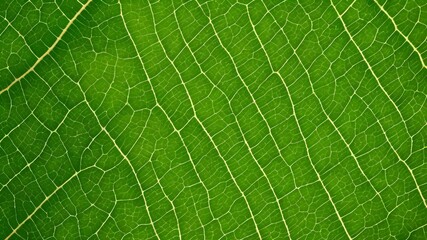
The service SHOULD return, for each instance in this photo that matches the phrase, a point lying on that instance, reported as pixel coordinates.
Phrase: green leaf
(131, 119)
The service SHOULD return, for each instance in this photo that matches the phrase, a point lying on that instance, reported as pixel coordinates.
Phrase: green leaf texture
(132, 119)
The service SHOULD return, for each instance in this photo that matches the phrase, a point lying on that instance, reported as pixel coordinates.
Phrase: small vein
(367, 63)
(240, 129)
(388, 96)
(340, 218)
(401, 33)
(49, 50)
(104, 129)
(205, 130)
(14, 231)
(167, 116)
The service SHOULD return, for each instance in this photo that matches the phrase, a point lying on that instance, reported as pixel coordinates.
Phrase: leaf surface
(133, 119)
